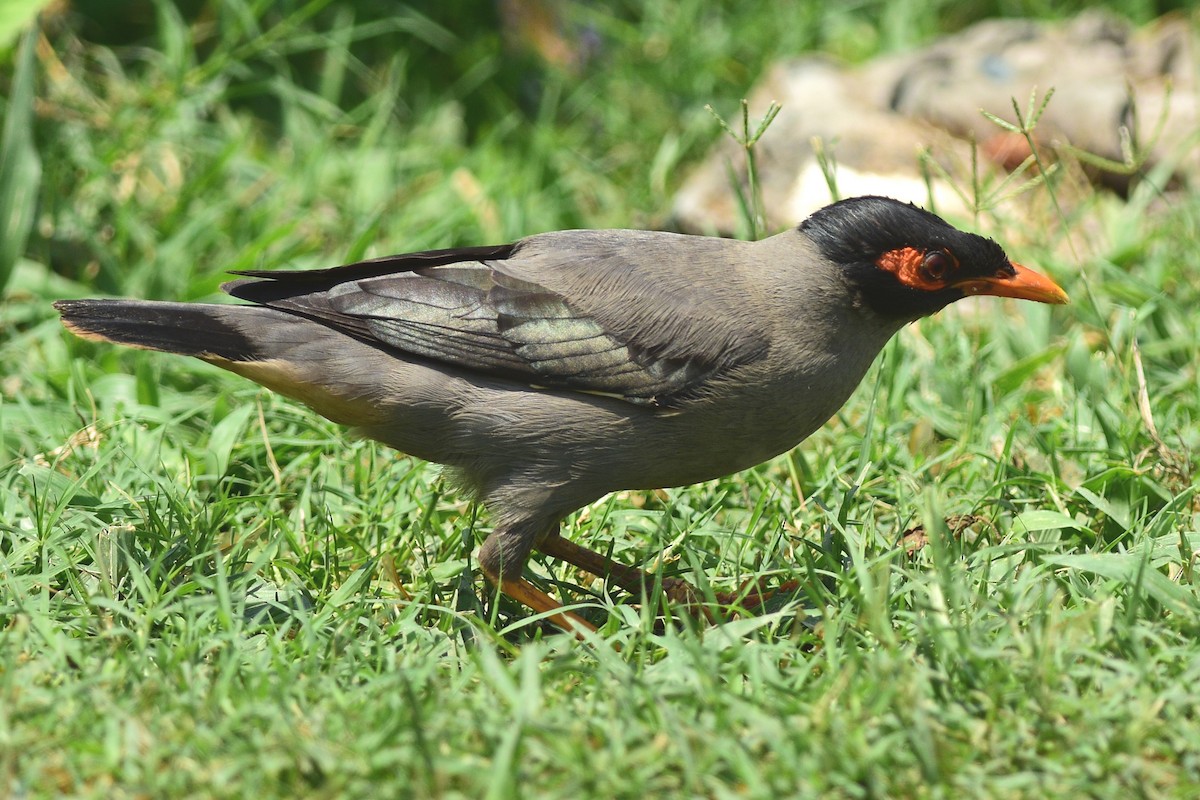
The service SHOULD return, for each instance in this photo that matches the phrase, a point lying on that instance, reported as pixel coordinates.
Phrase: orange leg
(510, 546)
(525, 592)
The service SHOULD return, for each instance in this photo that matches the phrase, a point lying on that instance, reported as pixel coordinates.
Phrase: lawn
(208, 591)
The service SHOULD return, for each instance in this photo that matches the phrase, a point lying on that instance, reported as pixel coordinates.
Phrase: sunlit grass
(205, 590)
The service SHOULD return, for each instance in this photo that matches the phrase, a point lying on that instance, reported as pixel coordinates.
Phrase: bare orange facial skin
(906, 264)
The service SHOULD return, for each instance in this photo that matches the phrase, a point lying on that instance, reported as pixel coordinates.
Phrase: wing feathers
(477, 315)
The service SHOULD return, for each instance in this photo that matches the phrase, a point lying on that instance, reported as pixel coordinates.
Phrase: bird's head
(904, 262)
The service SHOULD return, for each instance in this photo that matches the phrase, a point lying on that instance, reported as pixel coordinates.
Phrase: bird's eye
(936, 265)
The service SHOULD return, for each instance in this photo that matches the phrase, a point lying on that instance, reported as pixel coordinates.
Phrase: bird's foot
(525, 592)
(753, 595)
(681, 594)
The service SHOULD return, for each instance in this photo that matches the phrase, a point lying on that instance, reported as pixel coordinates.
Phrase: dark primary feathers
(630, 330)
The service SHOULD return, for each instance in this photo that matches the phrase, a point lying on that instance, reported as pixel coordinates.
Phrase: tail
(204, 331)
(339, 376)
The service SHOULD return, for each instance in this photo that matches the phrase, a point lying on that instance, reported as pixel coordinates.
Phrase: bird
(550, 372)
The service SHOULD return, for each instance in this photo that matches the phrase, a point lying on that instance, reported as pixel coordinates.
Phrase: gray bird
(546, 373)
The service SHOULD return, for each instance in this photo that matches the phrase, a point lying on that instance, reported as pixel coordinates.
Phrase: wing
(591, 311)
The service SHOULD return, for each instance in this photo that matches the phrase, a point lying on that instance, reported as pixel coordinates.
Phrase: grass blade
(20, 167)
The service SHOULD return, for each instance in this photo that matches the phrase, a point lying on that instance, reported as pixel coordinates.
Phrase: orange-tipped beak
(1025, 284)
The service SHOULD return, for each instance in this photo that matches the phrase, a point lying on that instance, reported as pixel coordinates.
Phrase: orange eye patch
(918, 269)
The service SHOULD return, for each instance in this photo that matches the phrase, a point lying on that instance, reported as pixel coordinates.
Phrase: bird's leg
(503, 558)
(636, 581)
(631, 579)
(753, 594)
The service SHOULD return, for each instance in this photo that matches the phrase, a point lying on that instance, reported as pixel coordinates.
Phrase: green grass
(205, 590)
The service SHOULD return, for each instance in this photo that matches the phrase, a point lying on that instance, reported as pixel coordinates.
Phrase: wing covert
(493, 312)
(474, 317)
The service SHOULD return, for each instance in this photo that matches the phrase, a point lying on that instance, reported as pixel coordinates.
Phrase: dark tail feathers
(185, 328)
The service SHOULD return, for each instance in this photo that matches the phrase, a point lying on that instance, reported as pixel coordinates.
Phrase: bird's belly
(675, 448)
(578, 447)
(719, 444)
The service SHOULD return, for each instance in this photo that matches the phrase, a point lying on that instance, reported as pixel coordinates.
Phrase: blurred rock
(905, 125)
